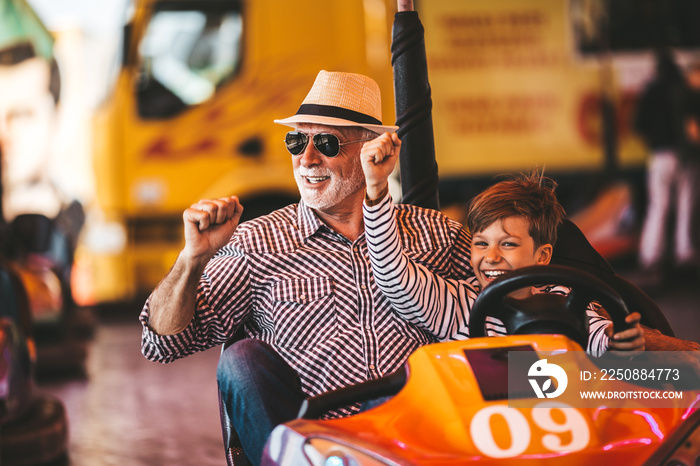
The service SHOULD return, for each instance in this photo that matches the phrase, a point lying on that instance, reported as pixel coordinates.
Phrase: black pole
(418, 166)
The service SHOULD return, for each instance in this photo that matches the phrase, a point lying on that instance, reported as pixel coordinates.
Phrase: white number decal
(482, 436)
(542, 415)
(574, 422)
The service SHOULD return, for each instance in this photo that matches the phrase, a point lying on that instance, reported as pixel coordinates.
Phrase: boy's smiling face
(504, 246)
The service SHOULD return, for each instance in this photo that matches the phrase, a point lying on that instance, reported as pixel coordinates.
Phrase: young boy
(513, 223)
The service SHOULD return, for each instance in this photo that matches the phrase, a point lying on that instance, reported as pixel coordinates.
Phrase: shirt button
(367, 327)
(302, 297)
(364, 287)
(371, 366)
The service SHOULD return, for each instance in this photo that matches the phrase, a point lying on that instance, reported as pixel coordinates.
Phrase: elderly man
(299, 281)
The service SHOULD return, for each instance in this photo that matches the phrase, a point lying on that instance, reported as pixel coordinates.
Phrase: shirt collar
(309, 223)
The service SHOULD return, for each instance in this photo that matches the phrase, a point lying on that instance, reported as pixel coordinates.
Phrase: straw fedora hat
(342, 99)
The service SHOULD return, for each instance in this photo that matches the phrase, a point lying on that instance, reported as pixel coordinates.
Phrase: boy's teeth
(494, 273)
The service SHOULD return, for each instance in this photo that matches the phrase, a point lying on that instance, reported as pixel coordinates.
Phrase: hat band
(337, 112)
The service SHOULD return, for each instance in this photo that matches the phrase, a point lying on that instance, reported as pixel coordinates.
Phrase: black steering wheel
(547, 313)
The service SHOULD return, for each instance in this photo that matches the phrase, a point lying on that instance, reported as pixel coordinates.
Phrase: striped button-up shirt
(438, 304)
(310, 293)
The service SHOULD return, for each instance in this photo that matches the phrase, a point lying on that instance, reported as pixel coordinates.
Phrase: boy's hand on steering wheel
(631, 339)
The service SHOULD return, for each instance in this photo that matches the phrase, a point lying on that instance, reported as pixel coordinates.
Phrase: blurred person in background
(660, 120)
(690, 158)
(41, 221)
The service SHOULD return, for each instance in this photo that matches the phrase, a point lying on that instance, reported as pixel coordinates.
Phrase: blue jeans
(259, 390)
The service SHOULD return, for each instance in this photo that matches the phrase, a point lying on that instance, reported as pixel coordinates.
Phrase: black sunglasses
(327, 144)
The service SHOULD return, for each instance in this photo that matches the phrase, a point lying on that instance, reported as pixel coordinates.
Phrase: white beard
(338, 189)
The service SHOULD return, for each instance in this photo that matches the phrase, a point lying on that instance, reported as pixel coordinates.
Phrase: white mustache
(313, 172)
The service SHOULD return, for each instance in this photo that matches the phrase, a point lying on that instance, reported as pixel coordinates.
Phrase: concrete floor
(129, 411)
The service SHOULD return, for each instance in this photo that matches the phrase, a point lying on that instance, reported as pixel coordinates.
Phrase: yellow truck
(515, 84)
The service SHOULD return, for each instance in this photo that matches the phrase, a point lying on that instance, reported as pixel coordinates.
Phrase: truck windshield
(185, 54)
